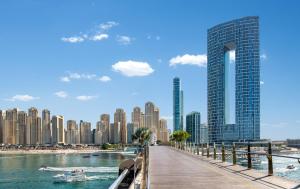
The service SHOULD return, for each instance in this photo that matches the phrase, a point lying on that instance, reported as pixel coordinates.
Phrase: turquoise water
(22, 171)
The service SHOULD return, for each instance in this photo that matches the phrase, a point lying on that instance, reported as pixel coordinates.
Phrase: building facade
(105, 122)
(193, 124)
(72, 133)
(46, 126)
(58, 133)
(34, 127)
(177, 105)
(85, 132)
(22, 123)
(120, 124)
(242, 36)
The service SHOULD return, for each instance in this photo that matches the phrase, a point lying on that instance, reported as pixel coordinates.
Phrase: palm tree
(142, 135)
(180, 136)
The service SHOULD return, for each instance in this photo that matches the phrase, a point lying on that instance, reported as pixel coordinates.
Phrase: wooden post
(207, 150)
(215, 151)
(223, 152)
(249, 156)
(270, 160)
(233, 154)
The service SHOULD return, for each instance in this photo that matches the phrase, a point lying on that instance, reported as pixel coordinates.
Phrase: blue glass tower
(241, 35)
(193, 127)
(177, 105)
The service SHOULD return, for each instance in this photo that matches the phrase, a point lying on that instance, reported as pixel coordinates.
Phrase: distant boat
(95, 154)
(86, 156)
(291, 166)
(72, 176)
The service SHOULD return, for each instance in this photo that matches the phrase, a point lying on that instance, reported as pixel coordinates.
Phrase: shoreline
(60, 151)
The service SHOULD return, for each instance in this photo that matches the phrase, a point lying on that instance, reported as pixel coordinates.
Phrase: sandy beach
(60, 151)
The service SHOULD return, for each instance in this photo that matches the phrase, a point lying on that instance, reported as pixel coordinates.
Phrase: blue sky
(84, 58)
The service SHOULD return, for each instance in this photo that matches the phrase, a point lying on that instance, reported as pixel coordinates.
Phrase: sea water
(24, 171)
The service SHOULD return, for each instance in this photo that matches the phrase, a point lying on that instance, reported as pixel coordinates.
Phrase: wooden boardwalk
(173, 169)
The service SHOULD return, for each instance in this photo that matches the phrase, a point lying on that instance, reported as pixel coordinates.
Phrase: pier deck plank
(170, 168)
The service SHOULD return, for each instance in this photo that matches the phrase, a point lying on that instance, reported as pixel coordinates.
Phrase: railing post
(233, 154)
(223, 152)
(249, 156)
(215, 151)
(270, 160)
(197, 149)
(207, 150)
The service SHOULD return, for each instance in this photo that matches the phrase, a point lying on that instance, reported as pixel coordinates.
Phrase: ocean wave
(85, 169)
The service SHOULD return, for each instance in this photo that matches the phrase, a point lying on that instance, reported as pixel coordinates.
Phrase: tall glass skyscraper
(242, 36)
(177, 105)
(193, 124)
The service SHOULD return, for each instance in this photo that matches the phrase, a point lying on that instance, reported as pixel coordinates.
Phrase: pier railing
(223, 151)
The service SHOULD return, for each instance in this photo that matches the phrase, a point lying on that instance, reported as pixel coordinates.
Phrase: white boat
(72, 176)
(291, 166)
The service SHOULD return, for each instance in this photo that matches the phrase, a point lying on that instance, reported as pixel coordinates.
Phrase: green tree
(142, 135)
(180, 137)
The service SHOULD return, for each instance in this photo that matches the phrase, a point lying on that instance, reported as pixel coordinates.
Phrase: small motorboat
(291, 166)
(72, 176)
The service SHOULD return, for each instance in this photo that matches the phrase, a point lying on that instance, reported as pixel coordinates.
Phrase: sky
(84, 58)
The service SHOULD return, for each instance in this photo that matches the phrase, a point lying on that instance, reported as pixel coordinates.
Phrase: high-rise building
(11, 132)
(34, 127)
(105, 122)
(203, 134)
(130, 131)
(142, 123)
(163, 133)
(136, 118)
(1, 126)
(193, 124)
(46, 127)
(117, 131)
(149, 114)
(112, 133)
(22, 124)
(85, 132)
(72, 133)
(120, 120)
(241, 36)
(58, 134)
(177, 105)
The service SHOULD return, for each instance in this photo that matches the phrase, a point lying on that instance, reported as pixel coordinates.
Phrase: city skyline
(74, 65)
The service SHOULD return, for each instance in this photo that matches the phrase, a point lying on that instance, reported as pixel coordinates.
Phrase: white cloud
(132, 68)
(104, 78)
(99, 37)
(124, 40)
(167, 117)
(65, 79)
(61, 94)
(263, 56)
(85, 97)
(262, 82)
(198, 60)
(76, 39)
(157, 38)
(108, 25)
(24, 98)
(77, 76)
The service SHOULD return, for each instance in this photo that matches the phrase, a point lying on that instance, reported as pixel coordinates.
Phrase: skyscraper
(10, 132)
(22, 123)
(85, 132)
(241, 36)
(130, 130)
(193, 124)
(1, 126)
(136, 118)
(149, 115)
(163, 134)
(105, 121)
(177, 105)
(72, 135)
(120, 124)
(58, 134)
(34, 128)
(46, 128)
